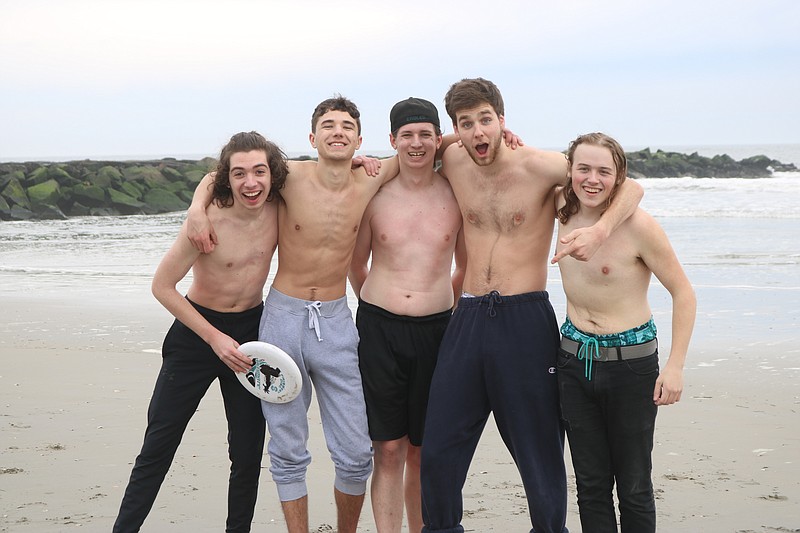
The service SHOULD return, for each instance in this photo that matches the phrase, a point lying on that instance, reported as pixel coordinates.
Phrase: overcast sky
(86, 78)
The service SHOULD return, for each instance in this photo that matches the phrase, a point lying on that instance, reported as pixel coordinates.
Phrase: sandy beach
(77, 370)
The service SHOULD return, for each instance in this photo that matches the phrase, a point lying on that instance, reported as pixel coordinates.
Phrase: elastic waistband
(297, 306)
(498, 299)
(212, 313)
(612, 353)
(372, 308)
(638, 335)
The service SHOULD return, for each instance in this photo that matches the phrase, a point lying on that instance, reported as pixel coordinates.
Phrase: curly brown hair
(221, 192)
(572, 204)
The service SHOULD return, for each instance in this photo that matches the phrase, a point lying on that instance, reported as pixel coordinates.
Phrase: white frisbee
(274, 376)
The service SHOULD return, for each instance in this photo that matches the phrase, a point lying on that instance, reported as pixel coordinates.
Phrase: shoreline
(77, 371)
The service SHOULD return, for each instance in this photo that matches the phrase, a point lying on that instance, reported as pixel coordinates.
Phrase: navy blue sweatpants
(498, 355)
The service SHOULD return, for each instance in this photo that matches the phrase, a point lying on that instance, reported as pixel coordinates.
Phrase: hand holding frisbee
(274, 376)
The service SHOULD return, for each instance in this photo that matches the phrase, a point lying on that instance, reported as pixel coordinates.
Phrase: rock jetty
(39, 190)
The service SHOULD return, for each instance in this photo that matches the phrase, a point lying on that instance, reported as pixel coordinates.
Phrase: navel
(229, 265)
(297, 227)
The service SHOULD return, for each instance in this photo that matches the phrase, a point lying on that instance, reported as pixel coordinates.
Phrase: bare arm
(173, 267)
(461, 266)
(390, 168)
(659, 256)
(358, 265)
(447, 140)
(582, 243)
(199, 229)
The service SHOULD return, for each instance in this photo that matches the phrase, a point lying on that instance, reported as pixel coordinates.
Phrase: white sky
(93, 78)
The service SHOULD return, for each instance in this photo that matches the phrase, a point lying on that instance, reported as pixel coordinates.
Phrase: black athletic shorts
(397, 355)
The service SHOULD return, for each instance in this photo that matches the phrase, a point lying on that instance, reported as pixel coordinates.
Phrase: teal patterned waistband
(638, 335)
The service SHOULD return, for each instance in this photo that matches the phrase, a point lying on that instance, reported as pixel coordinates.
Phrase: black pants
(610, 422)
(189, 367)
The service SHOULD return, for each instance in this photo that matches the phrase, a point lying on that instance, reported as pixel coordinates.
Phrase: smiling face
(593, 174)
(250, 178)
(480, 130)
(336, 136)
(416, 144)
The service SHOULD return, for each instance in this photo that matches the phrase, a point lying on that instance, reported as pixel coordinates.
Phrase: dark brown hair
(337, 103)
(221, 192)
(469, 93)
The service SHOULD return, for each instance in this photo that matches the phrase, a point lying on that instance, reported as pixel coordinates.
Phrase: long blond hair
(572, 204)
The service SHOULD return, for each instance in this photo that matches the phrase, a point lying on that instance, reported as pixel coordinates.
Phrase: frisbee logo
(265, 377)
(274, 376)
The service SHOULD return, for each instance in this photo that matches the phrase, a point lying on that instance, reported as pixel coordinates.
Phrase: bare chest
(415, 223)
(505, 207)
(320, 217)
(615, 264)
(239, 253)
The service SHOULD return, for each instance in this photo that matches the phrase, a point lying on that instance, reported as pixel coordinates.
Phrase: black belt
(613, 353)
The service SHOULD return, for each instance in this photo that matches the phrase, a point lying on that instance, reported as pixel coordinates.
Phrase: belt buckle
(602, 353)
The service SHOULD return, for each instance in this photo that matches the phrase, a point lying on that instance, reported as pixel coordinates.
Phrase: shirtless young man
(306, 313)
(608, 373)
(499, 352)
(222, 309)
(412, 228)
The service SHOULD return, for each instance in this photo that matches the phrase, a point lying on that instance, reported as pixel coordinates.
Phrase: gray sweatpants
(322, 339)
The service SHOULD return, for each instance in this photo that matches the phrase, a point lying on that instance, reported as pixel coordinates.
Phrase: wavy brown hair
(469, 93)
(572, 204)
(221, 192)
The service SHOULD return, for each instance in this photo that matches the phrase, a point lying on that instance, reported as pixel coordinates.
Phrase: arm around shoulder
(582, 243)
(199, 230)
(625, 203)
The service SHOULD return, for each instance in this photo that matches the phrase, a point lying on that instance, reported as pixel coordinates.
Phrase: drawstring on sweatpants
(494, 298)
(313, 317)
(585, 354)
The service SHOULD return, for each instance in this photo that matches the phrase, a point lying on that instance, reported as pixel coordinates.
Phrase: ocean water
(737, 239)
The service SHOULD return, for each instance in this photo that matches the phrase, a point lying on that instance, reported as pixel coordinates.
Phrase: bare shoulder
(643, 228)
(642, 222)
(453, 156)
(300, 169)
(546, 164)
(442, 184)
(366, 184)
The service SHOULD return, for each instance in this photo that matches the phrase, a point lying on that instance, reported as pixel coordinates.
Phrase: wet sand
(76, 373)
